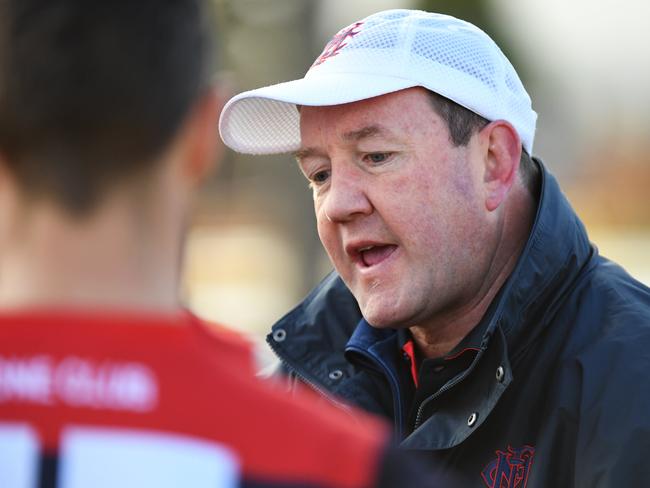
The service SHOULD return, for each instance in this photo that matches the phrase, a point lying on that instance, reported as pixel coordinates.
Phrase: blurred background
(253, 251)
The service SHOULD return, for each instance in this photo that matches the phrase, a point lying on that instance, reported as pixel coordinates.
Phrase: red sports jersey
(92, 400)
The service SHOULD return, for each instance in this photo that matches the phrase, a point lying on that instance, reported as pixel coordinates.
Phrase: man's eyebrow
(364, 132)
(352, 136)
(303, 153)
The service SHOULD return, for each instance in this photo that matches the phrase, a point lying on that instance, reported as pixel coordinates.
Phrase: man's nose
(347, 196)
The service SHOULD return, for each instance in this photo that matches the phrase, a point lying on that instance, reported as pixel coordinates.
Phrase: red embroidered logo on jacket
(510, 469)
(338, 42)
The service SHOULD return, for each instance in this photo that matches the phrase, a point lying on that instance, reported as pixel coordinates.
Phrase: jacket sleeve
(613, 438)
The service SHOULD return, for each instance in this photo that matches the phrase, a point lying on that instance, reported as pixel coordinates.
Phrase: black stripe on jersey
(48, 469)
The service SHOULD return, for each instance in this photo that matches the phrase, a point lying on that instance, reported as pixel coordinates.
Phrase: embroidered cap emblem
(338, 42)
(510, 469)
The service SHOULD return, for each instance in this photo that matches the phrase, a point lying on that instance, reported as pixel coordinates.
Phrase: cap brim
(266, 120)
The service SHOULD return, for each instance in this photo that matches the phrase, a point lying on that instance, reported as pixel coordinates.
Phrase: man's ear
(200, 139)
(502, 151)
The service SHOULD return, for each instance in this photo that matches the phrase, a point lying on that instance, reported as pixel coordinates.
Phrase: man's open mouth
(373, 255)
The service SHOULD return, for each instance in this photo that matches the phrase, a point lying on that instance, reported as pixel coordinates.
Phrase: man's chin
(383, 320)
(382, 307)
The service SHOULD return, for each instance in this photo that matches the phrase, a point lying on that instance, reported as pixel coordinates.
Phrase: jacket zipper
(446, 387)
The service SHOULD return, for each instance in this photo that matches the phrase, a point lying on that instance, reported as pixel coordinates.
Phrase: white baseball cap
(383, 53)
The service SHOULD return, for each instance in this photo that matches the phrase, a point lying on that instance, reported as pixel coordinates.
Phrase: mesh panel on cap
(443, 54)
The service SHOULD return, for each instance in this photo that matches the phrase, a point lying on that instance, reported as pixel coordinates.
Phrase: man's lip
(355, 251)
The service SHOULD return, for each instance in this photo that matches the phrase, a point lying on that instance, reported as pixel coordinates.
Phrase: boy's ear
(8, 181)
(502, 153)
(200, 141)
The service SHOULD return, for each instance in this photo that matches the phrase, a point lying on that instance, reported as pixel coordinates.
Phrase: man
(481, 321)
(107, 122)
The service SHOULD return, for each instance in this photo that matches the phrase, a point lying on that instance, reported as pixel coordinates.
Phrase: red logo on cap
(338, 42)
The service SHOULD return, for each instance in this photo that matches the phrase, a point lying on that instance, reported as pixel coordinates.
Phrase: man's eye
(376, 158)
(319, 177)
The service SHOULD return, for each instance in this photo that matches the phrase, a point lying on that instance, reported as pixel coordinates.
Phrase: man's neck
(111, 260)
(444, 332)
(438, 339)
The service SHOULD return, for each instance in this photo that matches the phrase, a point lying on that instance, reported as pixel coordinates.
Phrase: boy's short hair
(82, 108)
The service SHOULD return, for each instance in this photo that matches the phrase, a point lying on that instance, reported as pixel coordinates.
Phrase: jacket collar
(311, 338)
(557, 250)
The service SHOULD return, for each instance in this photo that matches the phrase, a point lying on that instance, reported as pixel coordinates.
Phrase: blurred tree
(261, 43)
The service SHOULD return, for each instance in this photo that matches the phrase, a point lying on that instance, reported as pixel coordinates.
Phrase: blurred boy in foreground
(107, 128)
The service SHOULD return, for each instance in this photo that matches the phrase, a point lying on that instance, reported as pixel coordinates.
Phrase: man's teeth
(367, 248)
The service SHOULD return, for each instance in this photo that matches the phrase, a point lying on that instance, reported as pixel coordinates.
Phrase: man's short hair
(92, 92)
(463, 123)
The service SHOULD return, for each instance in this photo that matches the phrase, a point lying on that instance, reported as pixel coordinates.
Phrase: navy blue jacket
(552, 388)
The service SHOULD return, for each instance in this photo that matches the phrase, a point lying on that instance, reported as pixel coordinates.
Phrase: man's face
(399, 209)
